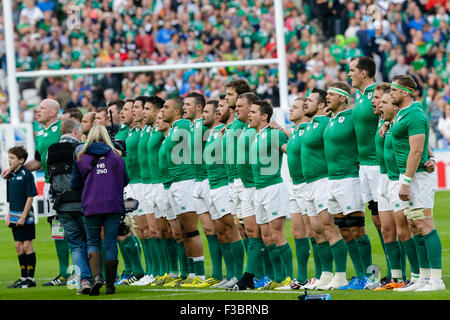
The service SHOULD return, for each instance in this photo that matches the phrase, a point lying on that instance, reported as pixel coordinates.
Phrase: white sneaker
(433, 285)
(230, 284)
(311, 285)
(413, 285)
(145, 280)
(324, 281)
(337, 282)
(220, 284)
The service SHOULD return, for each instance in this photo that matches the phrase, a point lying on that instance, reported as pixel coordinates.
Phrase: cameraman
(100, 171)
(60, 158)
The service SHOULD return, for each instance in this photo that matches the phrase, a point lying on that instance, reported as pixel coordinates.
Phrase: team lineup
(218, 162)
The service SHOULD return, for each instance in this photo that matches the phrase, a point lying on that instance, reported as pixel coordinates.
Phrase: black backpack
(60, 159)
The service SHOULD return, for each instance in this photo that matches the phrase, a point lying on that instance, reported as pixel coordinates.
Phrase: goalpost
(13, 91)
(13, 75)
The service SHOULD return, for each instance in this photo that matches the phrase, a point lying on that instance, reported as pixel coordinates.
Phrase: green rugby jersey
(153, 146)
(131, 160)
(340, 147)
(178, 149)
(44, 139)
(162, 165)
(123, 132)
(408, 122)
(229, 144)
(389, 159)
(314, 163)
(243, 165)
(293, 152)
(215, 168)
(198, 145)
(379, 146)
(366, 123)
(143, 154)
(266, 157)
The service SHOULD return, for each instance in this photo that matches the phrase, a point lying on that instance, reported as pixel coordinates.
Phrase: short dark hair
(322, 95)
(240, 85)
(20, 152)
(199, 98)
(366, 64)
(214, 103)
(265, 108)
(74, 113)
(143, 99)
(118, 103)
(221, 97)
(156, 101)
(101, 109)
(178, 103)
(249, 96)
(405, 80)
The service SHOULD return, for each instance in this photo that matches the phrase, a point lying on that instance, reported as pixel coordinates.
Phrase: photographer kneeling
(100, 171)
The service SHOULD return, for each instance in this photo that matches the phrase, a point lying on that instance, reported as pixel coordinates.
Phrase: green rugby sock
(276, 262)
(339, 252)
(132, 249)
(267, 263)
(238, 251)
(316, 257)
(302, 252)
(253, 257)
(216, 256)
(394, 255)
(365, 251)
(161, 252)
(228, 258)
(422, 253)
(410, 247)
(172, 255)
(184, 271)
(326, 257)
(126, 260)
(388, 272)
(63, 253)
(403, 259)
(434, 249)
(353, 252)
(286, 256)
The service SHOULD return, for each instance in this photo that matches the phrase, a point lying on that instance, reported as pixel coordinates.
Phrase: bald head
(48, 111)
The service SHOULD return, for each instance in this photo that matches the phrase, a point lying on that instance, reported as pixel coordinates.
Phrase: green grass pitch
(47, 268)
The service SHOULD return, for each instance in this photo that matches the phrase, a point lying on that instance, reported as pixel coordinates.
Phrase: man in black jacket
(67, 202)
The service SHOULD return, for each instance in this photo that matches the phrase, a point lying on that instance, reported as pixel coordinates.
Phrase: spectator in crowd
(444, 128)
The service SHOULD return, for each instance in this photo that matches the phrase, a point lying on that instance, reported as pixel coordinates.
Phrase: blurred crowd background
(321, 37)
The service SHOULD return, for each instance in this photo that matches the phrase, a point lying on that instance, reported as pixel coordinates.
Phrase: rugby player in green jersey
(301, 227)
(410, 131)
(162, 246)
(395, 227)
(271, 195)
(361, 74)
(219, 204)
(233, 128)
(385, 213)
(227, 231)
(129, 243)
(47, 115)
(182, 177)
(87, 122)
(144, 218)
(162, 202)
(193, 110)
(345, 202)
(258, 264)
(315, 172)
(119, 129)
